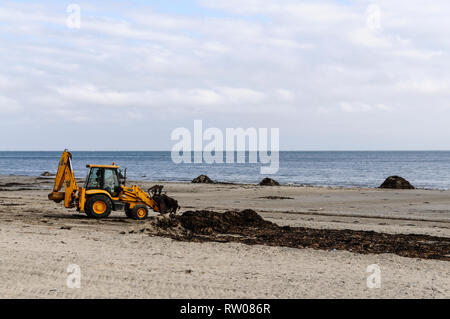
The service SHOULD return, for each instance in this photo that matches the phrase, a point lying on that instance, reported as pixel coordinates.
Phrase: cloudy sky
(332, 75)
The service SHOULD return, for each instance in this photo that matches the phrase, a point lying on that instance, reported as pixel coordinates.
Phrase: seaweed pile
(250, 228)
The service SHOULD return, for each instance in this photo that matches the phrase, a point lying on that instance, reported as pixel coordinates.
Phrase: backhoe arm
(65, 177)
(134, 195)
(160, 203)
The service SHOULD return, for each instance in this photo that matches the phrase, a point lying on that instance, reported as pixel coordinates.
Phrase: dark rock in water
(396, 182)
(47, 174)
(202, 179)
(269, 182)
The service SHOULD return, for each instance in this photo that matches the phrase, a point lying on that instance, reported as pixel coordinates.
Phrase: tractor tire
(98, 206)
(139, 212)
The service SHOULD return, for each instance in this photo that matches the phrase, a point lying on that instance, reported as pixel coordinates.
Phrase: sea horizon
(424, 169)
(321, 150)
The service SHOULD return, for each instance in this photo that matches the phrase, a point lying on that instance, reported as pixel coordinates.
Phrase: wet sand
(121, 258)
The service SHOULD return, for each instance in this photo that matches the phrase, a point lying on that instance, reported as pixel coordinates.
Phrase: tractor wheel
(98, 206)
(139, 212)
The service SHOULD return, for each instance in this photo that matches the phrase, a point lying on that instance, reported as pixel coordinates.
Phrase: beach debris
(209, 222)
(250, 228)
(276, 197)
(47, 174)
(269, 182)
(202, 179)
(396, 182)
(16, 189)
(13, 184)
(9, 187)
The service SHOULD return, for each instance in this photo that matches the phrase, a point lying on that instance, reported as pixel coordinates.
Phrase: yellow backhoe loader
(105, 190)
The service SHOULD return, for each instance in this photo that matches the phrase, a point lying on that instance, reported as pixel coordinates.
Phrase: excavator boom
(65, 177)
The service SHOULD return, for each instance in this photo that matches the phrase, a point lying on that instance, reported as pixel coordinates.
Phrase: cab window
(111, 182)
(95, 179)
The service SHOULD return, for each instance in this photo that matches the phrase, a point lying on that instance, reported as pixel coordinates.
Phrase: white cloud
(251, 61)
(367, 37)
(419, 54)
(357, 107)
(8, 105)
(174, 97)
(425, 86)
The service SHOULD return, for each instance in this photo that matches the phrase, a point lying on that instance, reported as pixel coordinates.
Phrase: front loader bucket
(166, 204)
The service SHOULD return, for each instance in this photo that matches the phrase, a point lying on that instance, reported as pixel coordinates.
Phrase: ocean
(424, 169)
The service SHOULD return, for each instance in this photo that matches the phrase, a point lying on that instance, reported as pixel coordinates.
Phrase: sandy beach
(118, 259)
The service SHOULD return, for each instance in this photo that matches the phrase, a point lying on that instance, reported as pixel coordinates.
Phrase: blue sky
(331, 75)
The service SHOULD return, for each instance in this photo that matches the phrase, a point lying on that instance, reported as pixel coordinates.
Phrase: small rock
(396, 182)
(269, 182)
(202, 179)
(47, 174)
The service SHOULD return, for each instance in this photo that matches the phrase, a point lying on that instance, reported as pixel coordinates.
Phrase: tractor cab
(104, 177)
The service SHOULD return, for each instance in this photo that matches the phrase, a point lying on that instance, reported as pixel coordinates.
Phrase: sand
(39, 239)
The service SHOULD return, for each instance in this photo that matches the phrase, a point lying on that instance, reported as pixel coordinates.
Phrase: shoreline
(81, 179)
